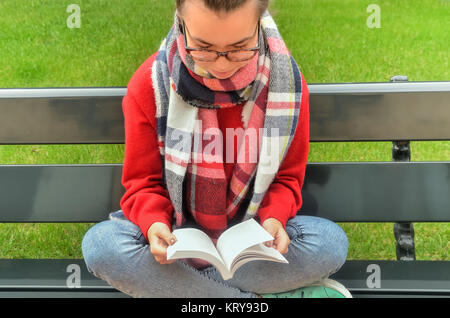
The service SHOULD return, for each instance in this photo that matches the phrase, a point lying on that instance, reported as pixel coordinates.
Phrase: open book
(236, 246)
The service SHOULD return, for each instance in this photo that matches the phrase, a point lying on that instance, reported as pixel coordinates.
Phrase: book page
(240, 237)
(193, 243)
(257, 252)
(190, 239)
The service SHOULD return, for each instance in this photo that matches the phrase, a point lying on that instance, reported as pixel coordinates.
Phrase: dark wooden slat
(345, 192)
(380, 117)
(378, 191)
(39, 293)
(59, 193)
(339, 112)
(62, 120)
(396, 278)
(48, 278)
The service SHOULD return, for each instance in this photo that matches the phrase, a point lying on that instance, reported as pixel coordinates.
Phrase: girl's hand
(281, 238)
(160, 237)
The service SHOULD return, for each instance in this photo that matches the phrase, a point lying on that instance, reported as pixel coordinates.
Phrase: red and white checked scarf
(187, 98)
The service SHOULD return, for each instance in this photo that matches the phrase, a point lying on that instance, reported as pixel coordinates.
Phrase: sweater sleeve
(283, 198)
(145, 200)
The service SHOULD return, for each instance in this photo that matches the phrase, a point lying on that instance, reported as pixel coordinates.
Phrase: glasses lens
(204, 55)
(237, 56)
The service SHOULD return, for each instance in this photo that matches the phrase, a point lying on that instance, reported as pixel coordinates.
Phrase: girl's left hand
(281, 238)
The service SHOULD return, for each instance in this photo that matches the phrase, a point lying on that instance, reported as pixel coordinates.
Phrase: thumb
(272, 232)
(168, 237)
(271, 226)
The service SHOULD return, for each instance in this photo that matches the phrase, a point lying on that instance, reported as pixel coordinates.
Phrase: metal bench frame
(400, 191)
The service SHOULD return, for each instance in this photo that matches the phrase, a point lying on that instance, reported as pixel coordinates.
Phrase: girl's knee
(336, 245)
(93, 246)
(319, 239)
(102, 244)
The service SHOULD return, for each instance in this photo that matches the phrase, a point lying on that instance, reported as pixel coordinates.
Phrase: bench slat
(380, 116)
(39, 293)
(48, 278)
(62, 120)
(378, 191)
(339, 112)
(59, 193)
(395, 278)
(343, 192)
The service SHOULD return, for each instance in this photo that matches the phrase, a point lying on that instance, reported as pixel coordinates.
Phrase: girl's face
(223, 32)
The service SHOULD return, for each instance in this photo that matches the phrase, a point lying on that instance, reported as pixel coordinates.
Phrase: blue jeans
(117, 252)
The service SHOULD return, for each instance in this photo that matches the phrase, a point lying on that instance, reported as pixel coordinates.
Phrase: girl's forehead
(223, 30)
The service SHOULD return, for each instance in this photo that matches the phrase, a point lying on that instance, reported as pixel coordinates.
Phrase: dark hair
(226, 5)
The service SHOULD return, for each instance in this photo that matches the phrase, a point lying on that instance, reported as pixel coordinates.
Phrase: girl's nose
(222, 64)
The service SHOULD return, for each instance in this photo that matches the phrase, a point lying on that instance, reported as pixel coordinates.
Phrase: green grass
(332, 43)
(329, 40)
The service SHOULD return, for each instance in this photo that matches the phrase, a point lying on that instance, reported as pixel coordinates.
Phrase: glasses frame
(218, 53)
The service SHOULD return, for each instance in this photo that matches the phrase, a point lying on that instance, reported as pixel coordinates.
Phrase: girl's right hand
(160, 237)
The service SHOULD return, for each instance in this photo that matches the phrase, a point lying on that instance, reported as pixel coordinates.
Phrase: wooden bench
(399, 191)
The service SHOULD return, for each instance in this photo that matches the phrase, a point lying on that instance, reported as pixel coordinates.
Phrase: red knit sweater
(146, 200)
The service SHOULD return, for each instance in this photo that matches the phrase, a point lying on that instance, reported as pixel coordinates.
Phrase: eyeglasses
(206, 55)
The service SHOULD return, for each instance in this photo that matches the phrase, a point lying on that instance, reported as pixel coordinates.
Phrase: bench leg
(403, 231)
(404, 236)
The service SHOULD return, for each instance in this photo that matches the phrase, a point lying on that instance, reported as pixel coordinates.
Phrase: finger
(282, 242)
(164, 261)
(158, 248)
(272, 232)
(171, 261)
(161, 260)
(159, 251)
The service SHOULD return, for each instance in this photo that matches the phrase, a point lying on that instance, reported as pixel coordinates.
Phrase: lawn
(330, 41)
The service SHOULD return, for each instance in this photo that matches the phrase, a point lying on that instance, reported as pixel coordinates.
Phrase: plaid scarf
(187, 98)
